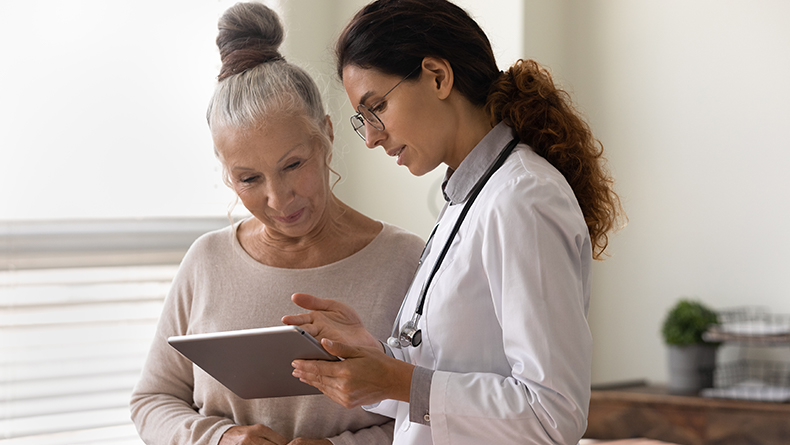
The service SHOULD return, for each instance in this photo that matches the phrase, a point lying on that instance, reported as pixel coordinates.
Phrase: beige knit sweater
(219, 287)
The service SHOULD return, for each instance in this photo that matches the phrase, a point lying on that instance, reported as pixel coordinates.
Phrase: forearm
(164, 419)
(162, 403)
(400, 387)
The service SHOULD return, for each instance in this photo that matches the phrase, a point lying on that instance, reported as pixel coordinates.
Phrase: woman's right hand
(365, 376)
(252, 435)
(332, 320)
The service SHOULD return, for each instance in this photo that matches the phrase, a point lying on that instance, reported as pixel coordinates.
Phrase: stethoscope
(409, 335)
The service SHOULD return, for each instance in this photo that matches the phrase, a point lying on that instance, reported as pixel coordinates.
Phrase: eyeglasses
(365, 114)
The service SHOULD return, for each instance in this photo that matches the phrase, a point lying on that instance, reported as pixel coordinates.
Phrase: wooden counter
(651, 412)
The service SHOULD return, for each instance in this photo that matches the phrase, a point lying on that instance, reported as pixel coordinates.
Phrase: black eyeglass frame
(358, 120)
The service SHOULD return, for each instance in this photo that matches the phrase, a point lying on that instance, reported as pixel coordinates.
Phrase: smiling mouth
(397, 152)
(290, 218)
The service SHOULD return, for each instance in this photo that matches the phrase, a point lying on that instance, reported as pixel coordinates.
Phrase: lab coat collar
(458, 184)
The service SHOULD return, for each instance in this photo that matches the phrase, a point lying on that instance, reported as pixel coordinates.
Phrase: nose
(278, 195)
(373, 136)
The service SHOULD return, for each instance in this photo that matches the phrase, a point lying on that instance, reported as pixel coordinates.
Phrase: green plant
(686, 322)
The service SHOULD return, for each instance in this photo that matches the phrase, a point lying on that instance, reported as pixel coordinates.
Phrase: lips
(290, 218)
(397, 153)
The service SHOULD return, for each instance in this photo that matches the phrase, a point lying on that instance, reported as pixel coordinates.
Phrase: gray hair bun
(249, 34)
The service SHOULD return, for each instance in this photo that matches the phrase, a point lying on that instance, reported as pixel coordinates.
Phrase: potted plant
(691, 359)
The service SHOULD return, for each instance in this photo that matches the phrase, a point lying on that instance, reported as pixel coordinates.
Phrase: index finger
(298, 319)
(312, 303)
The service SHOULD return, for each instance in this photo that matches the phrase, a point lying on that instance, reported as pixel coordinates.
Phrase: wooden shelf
(716, 335)
(650, 411)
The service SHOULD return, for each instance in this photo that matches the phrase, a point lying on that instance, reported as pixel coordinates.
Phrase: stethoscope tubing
(403, 337)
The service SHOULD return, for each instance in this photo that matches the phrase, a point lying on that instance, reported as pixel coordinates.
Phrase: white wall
(690, 100)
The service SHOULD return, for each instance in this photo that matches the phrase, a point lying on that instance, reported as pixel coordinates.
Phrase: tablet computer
(254, 363)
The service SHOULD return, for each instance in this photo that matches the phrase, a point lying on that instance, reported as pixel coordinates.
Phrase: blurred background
(107, 173)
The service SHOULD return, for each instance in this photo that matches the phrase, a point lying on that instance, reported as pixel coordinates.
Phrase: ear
(441, 74)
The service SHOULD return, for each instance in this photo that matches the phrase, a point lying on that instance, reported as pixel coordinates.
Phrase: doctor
(492, 343)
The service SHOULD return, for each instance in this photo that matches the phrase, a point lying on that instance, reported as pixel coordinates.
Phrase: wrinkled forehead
(271, 136)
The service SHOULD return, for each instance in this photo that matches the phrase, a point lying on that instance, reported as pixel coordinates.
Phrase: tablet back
(254, 363)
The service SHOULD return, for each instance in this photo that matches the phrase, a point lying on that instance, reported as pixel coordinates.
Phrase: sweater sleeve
(162, 405)
(371, 435)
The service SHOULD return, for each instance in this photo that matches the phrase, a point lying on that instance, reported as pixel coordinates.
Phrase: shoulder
(215, 238)
(528, 186)
(399, 240)
(205, 258)
(392, 258)
(527, 173)
(212, 244)
(210, 259)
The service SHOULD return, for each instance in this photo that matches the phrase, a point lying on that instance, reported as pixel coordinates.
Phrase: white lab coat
(505, 321)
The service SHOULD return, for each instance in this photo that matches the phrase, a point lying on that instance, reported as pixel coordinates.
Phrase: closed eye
(379, 106)
(249, 179)
(293, 165)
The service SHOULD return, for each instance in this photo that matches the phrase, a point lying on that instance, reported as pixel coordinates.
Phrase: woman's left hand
(365, 376)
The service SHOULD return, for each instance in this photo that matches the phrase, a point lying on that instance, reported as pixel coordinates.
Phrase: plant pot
(691, 368)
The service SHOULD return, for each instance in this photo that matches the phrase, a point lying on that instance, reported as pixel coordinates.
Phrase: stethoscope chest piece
(416, 339)
(410, 335)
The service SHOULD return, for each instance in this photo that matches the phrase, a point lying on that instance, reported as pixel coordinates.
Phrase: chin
(294, 230)
(419, 170)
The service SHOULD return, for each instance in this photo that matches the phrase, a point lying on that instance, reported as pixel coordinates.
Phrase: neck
(473, 125)
(308, 250)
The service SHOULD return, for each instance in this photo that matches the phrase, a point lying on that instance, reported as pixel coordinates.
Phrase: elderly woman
(274, 141)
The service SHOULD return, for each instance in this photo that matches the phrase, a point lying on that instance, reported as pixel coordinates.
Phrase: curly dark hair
(393, 37)
(544, 117)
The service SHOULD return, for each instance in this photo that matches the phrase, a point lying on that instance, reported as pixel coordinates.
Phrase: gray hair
(272, 88)
(255, 82)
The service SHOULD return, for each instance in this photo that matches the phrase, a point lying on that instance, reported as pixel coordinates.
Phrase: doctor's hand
(365, 376)
(332, 320)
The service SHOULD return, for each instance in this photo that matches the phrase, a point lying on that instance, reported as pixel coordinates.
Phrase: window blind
(73, 340)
